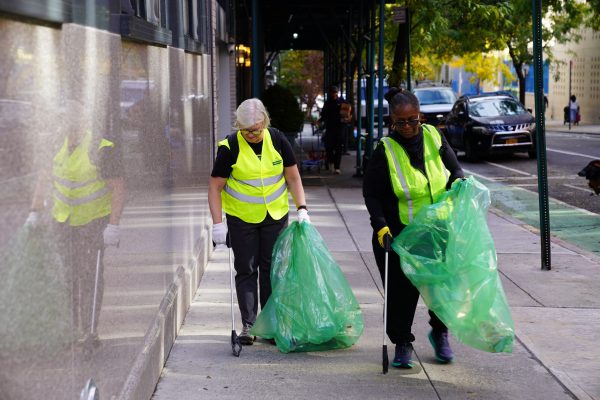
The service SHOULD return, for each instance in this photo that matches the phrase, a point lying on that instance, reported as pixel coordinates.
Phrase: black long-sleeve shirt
(380, 199)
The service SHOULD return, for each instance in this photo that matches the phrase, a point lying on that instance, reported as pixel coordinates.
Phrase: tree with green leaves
(484, 67)
(301, 71)
(442, 29)
(283, 109)
(562, 19)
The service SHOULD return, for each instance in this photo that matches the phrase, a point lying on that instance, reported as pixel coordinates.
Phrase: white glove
(32, 219)
(219, 233)
(112, 235)
(303, 215)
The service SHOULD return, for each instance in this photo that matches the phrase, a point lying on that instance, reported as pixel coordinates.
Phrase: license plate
(512, 141)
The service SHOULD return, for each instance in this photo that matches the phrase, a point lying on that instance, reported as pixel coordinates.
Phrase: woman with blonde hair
(253, 171)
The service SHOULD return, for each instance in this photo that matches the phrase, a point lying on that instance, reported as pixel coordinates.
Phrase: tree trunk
(399, 64)
(521, 87)
(518, 65)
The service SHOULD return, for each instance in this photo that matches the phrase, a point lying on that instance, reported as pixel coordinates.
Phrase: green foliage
(442, 29)
(593, 17)
(484, 67)
(301, 71)
(283, 109)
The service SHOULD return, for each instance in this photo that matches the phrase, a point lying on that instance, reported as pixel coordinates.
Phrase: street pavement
(556, 315)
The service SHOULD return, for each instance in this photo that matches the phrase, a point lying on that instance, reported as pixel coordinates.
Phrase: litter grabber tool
(236, 346)
(385, 360)
(96, 280)
(91, 339)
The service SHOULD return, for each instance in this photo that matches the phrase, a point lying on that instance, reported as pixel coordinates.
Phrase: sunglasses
(253, 133)
(403, 122)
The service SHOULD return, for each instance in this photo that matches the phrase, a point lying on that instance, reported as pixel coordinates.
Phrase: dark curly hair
(397, 97)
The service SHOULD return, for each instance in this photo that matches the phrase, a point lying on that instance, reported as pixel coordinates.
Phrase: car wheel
(470, 151)
(532, 153)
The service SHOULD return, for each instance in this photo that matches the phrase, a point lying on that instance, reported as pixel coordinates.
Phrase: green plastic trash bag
(311, 306)
(35, 309)
(448, 253)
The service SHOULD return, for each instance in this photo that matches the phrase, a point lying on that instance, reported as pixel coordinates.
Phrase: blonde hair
(250, 113)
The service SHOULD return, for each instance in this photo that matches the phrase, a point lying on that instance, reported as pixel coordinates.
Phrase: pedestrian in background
(574, 110)
(252, 173)
(408, 170)
(334, 129)
(87, 201)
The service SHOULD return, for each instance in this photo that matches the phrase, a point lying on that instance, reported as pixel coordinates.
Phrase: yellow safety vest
(80, 194)
(256, 186)
(413, 188)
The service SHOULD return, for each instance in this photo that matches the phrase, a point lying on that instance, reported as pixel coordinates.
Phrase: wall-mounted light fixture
(242, 56)
(231, 48)
(295, 35)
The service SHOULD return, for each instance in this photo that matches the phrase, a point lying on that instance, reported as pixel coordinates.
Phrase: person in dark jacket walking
(334, 129)
(409, 169)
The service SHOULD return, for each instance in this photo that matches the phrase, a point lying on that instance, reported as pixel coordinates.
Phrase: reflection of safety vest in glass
(256, 185)
(80, 194)
(413, 188)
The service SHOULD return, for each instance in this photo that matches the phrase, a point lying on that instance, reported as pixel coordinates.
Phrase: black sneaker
(403, 355)
(245, 338)
(441, 346)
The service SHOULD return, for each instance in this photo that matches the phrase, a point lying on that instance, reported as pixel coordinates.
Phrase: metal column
(538, 71)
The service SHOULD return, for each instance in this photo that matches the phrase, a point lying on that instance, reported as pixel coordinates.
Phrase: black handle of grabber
(387, 242)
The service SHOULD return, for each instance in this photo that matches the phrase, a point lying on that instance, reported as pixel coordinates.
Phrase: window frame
(189, 20)
(49, 11)
(132, 21)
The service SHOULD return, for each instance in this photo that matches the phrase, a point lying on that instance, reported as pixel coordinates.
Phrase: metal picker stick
(93, 324)
(385, 359)
(236, 346)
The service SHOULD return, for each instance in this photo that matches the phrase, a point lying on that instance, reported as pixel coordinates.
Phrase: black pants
(252, 245)
(334, 152)
(402, 298)
(79, 247)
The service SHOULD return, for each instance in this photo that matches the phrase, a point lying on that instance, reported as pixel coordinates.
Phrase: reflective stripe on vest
(80, 195)
(413, 188)
(256, 185)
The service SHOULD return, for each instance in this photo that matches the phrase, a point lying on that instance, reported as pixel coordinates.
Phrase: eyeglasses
(253, 133)
(402, 122)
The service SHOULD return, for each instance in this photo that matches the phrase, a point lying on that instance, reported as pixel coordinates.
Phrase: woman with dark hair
(409, 169)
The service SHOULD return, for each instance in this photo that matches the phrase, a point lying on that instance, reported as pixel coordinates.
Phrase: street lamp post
(570, 94)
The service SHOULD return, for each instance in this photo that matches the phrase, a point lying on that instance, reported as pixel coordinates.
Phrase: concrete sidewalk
(556, 314)
(559, 126)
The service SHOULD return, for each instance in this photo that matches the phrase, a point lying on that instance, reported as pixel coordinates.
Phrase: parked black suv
(489, 123)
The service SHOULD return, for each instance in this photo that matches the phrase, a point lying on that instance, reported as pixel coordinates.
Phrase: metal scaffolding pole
(538, 71)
